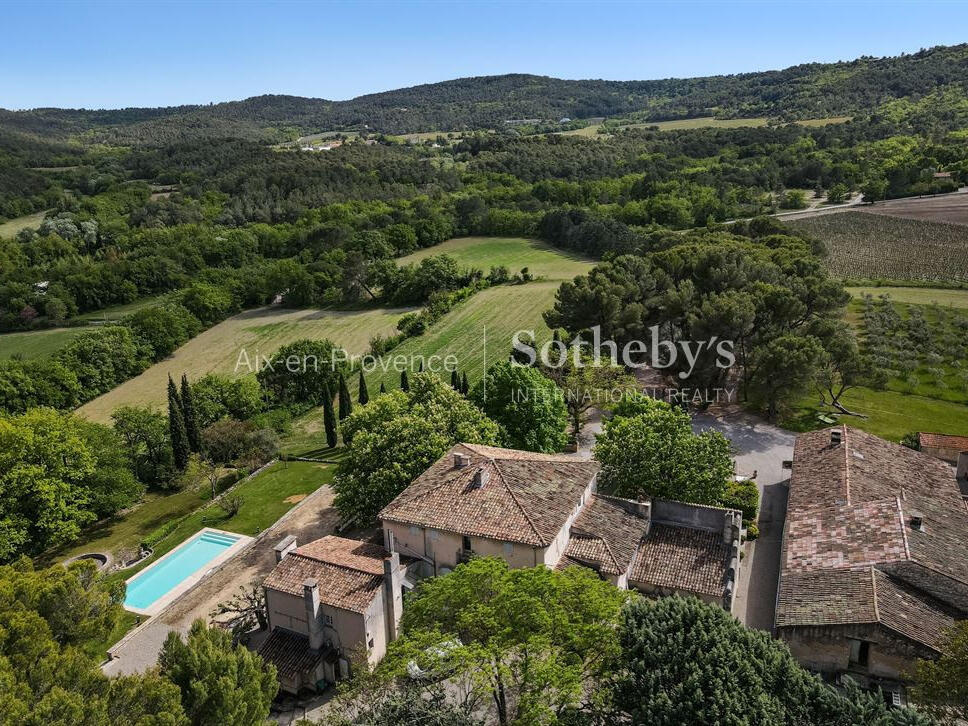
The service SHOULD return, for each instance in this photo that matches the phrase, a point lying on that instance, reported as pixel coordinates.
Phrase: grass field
(36, 343)
(11, 227)
(264, 502)
(916, 295)
(254, 332)
(880, 247)
(542, 260)
(42, 343)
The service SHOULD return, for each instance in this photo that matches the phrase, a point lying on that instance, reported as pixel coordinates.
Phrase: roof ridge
(846, 467)
(877, 610)
(520, 506)
(341, 565)
(904, 537)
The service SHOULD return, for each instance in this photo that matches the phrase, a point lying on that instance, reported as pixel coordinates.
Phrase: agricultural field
(542, 260)
(923, 347)
(255, 332)
(36, 343)
(11, 227)
(865, 246)
(949, 208)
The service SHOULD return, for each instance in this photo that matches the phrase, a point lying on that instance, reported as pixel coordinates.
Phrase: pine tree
(345, 402)
(176, 423)
(455, 380)
(404, 382)
(464, 386)
(383, 387)
(364, 397)
(329, 417)
(188, 411)
(420, 370)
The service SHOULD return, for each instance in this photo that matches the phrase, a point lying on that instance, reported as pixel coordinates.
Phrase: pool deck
(310, 519)
(241, 541)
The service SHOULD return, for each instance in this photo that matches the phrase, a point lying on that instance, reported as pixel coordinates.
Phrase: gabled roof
(290, 653)
(349, 573)
(527, 497)
(606, 534)
(943, 441)
(851, 536)
(864, 596)
(682, 558)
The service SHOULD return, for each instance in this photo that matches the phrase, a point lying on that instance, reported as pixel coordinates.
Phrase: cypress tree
(383, 387)
(420, 370)
(364, 397)
(329, 417)
(345, 402)
(188, 412)
(455, 380)
(464, 387)
(176, 424)
(404, 381)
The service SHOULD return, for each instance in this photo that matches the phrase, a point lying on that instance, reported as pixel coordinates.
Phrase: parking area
(761, 448)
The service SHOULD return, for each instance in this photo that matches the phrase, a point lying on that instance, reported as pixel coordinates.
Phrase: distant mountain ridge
(810, 90)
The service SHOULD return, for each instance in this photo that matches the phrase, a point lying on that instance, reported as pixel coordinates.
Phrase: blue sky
(141, 53)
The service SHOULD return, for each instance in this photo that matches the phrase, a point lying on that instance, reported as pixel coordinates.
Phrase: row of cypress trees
(186, 438)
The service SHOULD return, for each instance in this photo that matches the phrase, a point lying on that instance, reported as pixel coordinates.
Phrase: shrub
(744, 496)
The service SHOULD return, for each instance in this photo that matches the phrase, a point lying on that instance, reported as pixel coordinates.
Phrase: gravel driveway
(761, 448)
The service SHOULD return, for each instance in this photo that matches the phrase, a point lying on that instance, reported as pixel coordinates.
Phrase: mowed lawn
(36, 343)
(266, 497)
(476, 332)
(542, 260)
(232, 347)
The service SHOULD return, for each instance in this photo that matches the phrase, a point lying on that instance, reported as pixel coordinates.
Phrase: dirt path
(312, 518)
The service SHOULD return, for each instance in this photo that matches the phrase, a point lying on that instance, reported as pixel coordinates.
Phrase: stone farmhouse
(875, 556)
(335, 601)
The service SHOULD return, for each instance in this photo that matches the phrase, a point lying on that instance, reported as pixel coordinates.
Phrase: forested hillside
(810, 90)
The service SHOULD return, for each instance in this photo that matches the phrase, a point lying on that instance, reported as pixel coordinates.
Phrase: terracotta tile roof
(290, 653)
(606, 534)
(527, 497)
(681, 558)
(820, 537)
(850, 551)
(862, 596)
(943, 441)
(349, 573)
(862, 468)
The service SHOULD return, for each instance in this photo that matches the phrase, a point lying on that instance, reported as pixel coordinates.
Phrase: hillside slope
(810, 90)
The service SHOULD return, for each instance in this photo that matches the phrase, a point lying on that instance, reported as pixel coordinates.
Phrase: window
(414, 531)
(508, 549)
(467, 543)
(327, 619)
(859, 652)
(434, 535)
(370, 642)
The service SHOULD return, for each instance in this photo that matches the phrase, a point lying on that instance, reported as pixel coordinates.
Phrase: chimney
(392, 595)
(836, 436)
(732, 523)
(917, 521)
(461, 460)
(963, 465)
(311, 603)
(284, 547)
(480, 478)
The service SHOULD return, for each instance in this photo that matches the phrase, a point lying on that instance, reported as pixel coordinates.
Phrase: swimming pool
(174, 573)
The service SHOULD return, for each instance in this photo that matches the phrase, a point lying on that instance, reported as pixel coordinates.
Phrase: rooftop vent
(836, 436)
(461, 460)
(917, 522)
(480, 478)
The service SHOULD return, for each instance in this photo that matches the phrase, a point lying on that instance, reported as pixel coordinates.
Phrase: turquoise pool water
(176, 566)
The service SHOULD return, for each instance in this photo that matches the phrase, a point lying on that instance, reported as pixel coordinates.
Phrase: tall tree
(404, 382)
(329, 418)
(656, 453)
(180, 448)
(383, 387)
(364, 395)
(527, 406)
(345, 402)
(455, 380)
(191, 419)
(941, 686)
(220, 684)
(396, 437)
(465, 387)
